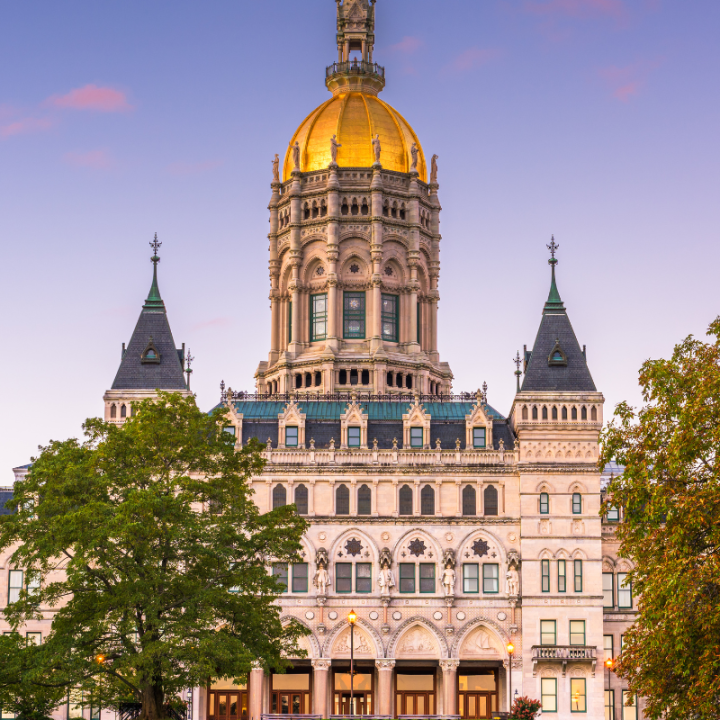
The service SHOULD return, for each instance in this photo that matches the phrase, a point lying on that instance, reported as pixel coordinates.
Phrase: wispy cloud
(577, 8)
(218, 322)
(95, 159)
(184, 168)
(25, 125)
(471, 58)
(92, 97)
(626, 82)
(407, 46)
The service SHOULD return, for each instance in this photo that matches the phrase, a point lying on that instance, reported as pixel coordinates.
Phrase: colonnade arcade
(417, 671)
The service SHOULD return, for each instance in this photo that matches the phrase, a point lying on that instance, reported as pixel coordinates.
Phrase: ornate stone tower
(150, 362)
(354, 240)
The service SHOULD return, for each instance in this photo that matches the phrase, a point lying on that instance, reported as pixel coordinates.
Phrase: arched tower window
(535, 415)
(544, 503)
(544, 414)
(573, 414)
(427, 501)
(279, 496)
(577, 504)
(342, 500)
(469, 500)
(123, 411)
(583, 413)
(301, 499)
(490, 500)
(524, 413)
(593, 414)
(554, 413)
(113, 411)
(406, 500)
(364, 500)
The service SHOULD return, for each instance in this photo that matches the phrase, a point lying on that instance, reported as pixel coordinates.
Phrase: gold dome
(355, 118)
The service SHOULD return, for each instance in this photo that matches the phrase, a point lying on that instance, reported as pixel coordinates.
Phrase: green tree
(670, 529)
(146, 540)
(525, 708)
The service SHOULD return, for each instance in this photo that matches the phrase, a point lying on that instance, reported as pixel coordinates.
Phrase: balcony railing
(563, 654)
(346, 397)
(355, 67)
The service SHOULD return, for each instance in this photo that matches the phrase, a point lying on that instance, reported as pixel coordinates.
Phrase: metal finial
(155, 245)
(484, 392)
(222, 391)
(553, 248)
(189, 358)
(518, 361)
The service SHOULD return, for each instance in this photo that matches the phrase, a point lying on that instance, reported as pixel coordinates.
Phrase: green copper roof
(554, 304)
(154, 302)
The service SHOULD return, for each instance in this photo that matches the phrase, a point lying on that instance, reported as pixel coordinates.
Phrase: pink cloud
(577, 8)
(472, 58)
(24, 126)
(183, 168)
(92, 97)
(407, 46)
(626, 82)
(95, 159)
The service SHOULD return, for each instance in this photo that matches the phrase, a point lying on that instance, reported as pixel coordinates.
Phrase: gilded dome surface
(355, 118)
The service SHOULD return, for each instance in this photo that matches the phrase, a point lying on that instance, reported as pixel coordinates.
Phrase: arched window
(390, 378)
(342, 377)
(364, 500)
(554, 413)
(408, 382)
(535, 416)
(123, 411)
(298, 380)
(279, 496)
(524, 413)
(365, 377)
(573, 415)
(113, 411)
(318, 379)
(544, 413)
(583, 413)
(399, 379)
(342, 500)
(427, 501)
(490, 500)
(301, 499)
(593, 414)
(308, 380)
(469, 500)
(577, 503)
(544, 503)
(564, 413)
(406, 500)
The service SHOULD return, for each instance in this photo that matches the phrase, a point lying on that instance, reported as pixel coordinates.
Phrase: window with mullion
(548, 632)
(609, 705)
(390, 315)
(608, 580)
(577, 565)
(280, 573)
(343, 577)
(629, 712)
(624, 591)
(363, 577)
(471, 578)
(416, 437)
(545, 573)
(300, 578)
(15, 583)
(318, 317)
(577, 504)
(427, 577)
(544, 503)
(578, 695)
(354, 315)
(407, 577)
(354, 434)
(562, 580)
(608, 647)
(491, 578)
(548, 695)
(577, 632)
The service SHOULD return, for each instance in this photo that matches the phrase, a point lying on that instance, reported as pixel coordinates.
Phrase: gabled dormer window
(150, 354)
(557, 355)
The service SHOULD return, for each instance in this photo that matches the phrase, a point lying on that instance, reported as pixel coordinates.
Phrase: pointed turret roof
(151, 360)
(556, 363)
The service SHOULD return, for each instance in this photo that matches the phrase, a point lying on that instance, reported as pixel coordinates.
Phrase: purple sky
(595, 120)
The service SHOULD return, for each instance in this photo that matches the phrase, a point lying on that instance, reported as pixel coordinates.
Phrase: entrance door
(228, 705)
(290, 694)
(477, 694)
(362, 693)
(415, 694)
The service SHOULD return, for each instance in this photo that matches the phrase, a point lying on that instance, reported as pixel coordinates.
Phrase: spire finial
(154, 301)
(188, 371)
(518, 361)
(554, 304)
(553, 248)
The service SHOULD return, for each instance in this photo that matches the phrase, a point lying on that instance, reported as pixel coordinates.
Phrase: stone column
(375, 325)
(449, 668)
(295, 257)
(320, 686)
(384, 700)
(332, 252)
(255, 691)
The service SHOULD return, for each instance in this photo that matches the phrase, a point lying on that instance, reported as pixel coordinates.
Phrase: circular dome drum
(355, 118)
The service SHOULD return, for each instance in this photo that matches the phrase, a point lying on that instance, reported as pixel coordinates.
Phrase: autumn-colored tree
(524, 708)
(146, 540)
(669, 494)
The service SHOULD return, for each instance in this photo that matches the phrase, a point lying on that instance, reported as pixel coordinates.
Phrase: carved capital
(449, 665)
(321, 664)
(385, 664)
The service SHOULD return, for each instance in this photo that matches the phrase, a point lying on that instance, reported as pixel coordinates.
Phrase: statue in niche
(376, 148)
(385, 579)
(448, 580)
(414, 154)
(513, 581)
(433, 169)
(321, 580)
(296, 155)
(334, 145)
(276, 168)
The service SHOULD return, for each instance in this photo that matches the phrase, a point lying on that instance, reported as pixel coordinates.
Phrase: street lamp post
(511, 650)
(609, 665)
(352, 619)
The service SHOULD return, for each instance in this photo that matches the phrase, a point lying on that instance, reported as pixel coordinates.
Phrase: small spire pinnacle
(188, 371)
(554, 304)
(154, 301)
(518, 361)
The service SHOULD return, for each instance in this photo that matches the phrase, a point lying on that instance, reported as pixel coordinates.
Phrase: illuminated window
(578, 698)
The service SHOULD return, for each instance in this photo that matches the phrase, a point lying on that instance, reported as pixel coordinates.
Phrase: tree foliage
(670, 497)
(146, 540)
(524, 708)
